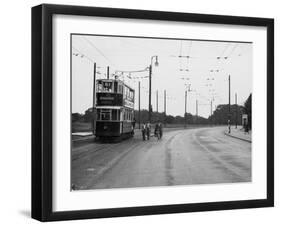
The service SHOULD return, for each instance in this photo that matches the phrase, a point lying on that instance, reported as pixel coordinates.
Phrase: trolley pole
(236, 110)
(149, 102)
(139, 108)
(229, 114)
(94, 99)
(107, 72)
(185, 99)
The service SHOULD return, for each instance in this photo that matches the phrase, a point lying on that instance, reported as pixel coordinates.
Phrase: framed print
(145, 112)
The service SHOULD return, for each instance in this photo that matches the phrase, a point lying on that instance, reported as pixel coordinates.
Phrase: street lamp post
(150, 75)
(229, 112)
(236, 111)
(139, 108)
(185, 99)
(94, 99)
(165, 99)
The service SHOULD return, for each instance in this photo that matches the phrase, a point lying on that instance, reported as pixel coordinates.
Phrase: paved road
(182, 157)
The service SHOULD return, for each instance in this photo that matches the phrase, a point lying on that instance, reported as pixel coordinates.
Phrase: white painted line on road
(210, 139)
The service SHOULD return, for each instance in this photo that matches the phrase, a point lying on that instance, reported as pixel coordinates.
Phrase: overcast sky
(207, 75)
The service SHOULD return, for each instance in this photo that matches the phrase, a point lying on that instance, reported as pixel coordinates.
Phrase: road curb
(226, 133)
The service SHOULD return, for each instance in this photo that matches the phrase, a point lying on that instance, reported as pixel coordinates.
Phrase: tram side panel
(127, 127)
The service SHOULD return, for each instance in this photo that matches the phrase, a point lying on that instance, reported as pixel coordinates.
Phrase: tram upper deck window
(131, 94)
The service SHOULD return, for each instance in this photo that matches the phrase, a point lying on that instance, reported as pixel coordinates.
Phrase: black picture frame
(42, 106)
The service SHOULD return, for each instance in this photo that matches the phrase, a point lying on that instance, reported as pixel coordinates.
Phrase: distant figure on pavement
(143, 130)
(161, 129)
(148, 128)
(246, 128)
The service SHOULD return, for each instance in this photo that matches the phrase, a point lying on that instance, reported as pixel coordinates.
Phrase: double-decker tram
(114, 109)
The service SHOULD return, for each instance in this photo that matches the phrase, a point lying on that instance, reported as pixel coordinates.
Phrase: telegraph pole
(185, 99)
(196, 108)
(107, 72)
(229, 114)
(165, 107)
(211, 107)
(139, 108)
(236, 110)
(150, 74)
(211, 113)
(149, 102)
(94, 99)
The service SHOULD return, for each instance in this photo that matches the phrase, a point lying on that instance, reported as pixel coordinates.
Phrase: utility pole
(165, 107)
(107, 72)
(211, 107)
(236, 110)
(149, 102)
(150, 74)
(139, 108)
(229, 114)
(157, 101)
(211, 113)
(94, 99)
(185, 99)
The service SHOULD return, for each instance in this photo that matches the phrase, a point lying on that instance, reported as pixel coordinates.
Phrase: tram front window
(105, 115)
(108, 114)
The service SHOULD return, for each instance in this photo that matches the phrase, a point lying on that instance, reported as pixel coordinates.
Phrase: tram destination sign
(109, 99)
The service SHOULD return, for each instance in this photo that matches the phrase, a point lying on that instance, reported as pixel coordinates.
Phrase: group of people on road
(146, 130)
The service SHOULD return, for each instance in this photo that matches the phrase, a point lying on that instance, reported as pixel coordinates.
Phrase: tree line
(219, 117)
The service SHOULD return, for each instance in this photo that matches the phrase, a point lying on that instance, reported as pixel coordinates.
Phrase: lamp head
(156, 62)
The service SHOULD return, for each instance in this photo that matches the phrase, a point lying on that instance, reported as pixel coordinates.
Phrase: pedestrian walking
(143, 130)
(158, 130)
(246, 128)
(161, 129)
(148, 130)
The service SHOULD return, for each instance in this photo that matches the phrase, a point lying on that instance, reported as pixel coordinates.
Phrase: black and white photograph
(145, 112)
(159, 111)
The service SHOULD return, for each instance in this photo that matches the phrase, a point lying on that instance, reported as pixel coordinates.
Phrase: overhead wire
(99, 51)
